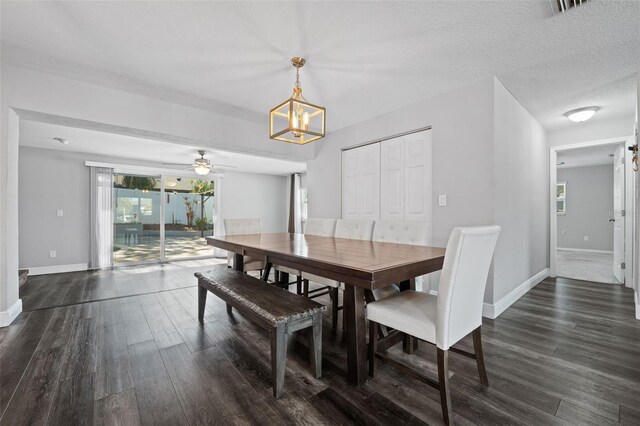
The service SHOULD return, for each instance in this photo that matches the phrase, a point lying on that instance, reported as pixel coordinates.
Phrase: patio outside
(188, 213)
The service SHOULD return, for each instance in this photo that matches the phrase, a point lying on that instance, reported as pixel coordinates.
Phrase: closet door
(392, 179)
(361, 182)
(417, 176)
(350, 184)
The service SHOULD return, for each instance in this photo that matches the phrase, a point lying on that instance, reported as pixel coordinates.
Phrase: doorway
(591, 232)
(158, 218)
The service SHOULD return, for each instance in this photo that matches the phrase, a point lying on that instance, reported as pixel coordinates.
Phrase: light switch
(586, 238)
(52, 253)
(442, 200)
(59, 213)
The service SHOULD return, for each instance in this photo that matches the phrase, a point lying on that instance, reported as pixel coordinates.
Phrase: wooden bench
(272, 308)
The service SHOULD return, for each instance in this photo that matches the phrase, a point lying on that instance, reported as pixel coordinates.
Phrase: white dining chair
(345, 228)
(445, 319)
(400, 232)
(244, 227)
(313, 226)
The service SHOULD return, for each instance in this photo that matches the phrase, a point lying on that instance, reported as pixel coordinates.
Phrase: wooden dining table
(360, 265)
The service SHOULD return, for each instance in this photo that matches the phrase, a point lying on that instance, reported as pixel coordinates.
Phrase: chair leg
(276, 277)
(278, 359)
(443, 380)
(229, 309)
(333, 294)
(299, 284)
(315, 346)
(373, 347)
(477, 346)
(305, 290)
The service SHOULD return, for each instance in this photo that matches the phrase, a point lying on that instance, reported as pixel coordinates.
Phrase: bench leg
(299, 284)
(278, 359)
(229, 309)
(315, 346)
(305, 290)
(202, 302)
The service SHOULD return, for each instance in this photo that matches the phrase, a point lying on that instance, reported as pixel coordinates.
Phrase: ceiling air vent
(564, 5)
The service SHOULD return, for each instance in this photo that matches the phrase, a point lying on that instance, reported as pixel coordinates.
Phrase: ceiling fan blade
(177, 164)
(225, 166)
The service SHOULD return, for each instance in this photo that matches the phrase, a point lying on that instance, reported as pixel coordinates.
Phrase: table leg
(356, 334)
(238, 262)
(265, 273)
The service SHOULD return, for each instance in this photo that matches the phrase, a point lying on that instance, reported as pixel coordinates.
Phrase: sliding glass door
(188, 217)
(136, 217)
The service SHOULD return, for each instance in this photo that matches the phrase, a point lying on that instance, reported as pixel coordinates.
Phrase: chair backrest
(402, 232)
(242, 226)
(354, 229)
(462, 282)
(321, 227)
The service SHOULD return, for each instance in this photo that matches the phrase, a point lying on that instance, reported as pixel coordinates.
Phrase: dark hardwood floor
(568, 352)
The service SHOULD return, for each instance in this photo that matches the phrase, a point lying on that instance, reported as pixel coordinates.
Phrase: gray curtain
(101, 218)
(295, 218)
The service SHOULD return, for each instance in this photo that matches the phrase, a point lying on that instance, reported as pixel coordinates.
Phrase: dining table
(361, 265)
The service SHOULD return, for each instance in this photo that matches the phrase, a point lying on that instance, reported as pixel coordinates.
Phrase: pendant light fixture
(296, 120)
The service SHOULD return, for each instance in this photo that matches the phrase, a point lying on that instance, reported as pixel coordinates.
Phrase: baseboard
(57, 269)
(7, 317)
(492, 311)
(585, 250)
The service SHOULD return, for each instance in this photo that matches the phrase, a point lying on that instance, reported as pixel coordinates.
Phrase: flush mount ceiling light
(296, 120)
(63, 141)
(581, 114)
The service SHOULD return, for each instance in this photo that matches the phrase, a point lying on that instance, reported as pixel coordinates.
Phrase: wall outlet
(52, 253)
(59, 213)
(442, 200)
(586, 238)
(564, 232)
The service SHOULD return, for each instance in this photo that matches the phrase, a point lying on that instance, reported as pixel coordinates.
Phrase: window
(561, 197)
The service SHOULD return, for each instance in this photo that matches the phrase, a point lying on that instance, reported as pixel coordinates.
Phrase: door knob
(612, 220)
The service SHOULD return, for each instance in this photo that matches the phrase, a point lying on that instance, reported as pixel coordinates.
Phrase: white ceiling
(589, 156)
(40, 135)
(364, 58)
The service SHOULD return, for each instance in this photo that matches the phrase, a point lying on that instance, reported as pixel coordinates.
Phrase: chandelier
(296, 120)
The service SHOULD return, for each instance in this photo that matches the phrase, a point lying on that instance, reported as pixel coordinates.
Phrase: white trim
(493, 311)
(57, 269)
(637, 300)
(130, 168)
(585, 250)
(629, 190)
(7, 317)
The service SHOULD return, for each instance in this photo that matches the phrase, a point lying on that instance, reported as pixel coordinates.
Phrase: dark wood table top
(367, 264)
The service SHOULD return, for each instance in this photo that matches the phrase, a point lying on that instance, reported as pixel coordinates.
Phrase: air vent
(565, 5)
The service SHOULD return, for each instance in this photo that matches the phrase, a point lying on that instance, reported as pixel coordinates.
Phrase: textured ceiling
(40, 135)
(364, 58)
(588, 156)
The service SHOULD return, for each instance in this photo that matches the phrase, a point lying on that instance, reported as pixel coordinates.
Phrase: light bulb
(201, 170)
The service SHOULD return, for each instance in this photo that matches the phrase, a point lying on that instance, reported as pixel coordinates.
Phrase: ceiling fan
(201, 166)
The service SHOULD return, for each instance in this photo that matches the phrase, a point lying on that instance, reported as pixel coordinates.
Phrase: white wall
(462, 131)
(521, 168)
(248, 196)
(52, 180)
(588, 209)
(490, 157)
(592, 130)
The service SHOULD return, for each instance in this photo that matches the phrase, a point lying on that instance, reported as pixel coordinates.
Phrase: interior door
(361, 182)
(618, 214)
(392, 179)
(417, 151)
